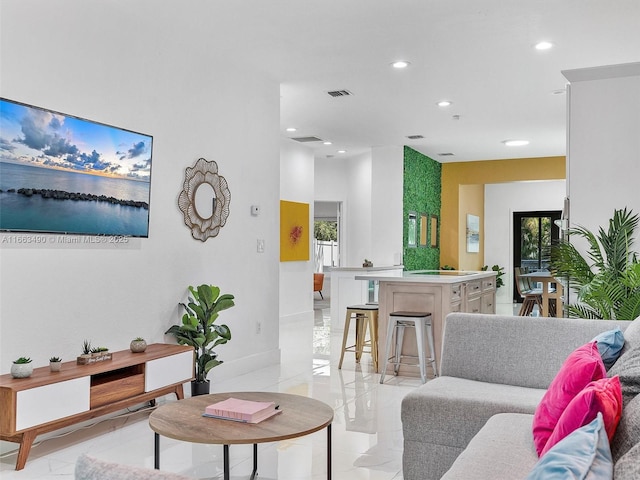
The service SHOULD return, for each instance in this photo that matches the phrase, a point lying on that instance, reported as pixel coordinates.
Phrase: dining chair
(530, 296)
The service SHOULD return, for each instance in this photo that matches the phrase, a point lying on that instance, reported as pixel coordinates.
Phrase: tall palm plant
(607, 281)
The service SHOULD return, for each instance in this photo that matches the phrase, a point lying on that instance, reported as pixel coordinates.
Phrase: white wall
(603, 154)
(501, 200)
(359, 242)
(331, 185)
(296, 185)
(55, 296)
(349, 181)
(386, 205)
(370, 189)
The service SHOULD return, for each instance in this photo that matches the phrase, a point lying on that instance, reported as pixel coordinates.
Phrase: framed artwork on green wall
(412, 229)
(424, 230)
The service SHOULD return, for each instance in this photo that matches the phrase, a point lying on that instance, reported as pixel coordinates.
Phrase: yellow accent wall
(463, 192)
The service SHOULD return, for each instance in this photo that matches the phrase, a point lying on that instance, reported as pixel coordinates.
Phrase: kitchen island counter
(438, 292)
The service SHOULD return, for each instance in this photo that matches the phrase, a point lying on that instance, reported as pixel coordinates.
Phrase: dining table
(551, 289)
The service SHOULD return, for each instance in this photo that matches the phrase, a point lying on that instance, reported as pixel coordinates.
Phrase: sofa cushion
(90, 468)
(582, 366)
(450, 411)
(628, 369)
(628, 431)
(584, 454)
(602, 397)
(628, 467)
(503, 448)
(610, 345)
(632, 336)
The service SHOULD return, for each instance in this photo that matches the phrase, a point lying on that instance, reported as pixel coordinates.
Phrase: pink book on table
(243, 410)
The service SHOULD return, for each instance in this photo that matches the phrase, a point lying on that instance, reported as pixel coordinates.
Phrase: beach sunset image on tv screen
(64, 174)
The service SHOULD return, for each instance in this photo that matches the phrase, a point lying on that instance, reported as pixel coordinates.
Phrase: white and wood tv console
(47, 401)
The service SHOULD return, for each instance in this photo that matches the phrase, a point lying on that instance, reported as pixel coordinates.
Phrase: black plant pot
(199, 388)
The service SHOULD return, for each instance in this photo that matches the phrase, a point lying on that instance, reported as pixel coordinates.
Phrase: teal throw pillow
(584, 454)
(610, 345)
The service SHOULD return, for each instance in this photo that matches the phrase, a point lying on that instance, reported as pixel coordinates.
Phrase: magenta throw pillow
(581, 367)
(602, 396)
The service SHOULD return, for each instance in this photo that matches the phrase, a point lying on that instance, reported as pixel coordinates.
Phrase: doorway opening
(533, 235)
(327, 234)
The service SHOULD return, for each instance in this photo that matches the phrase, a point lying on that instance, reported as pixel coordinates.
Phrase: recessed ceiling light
(342, 151)
(444, 103)
(543, 45)
(291, 129)
(326, 143)
(400, 64)
(515, 143)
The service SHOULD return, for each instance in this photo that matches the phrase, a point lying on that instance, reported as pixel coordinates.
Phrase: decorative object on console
(86, 348)
(204, 223)
(138, 345)
(367, 263)
(92, 355)
(199, 330)
(607, 279)
(22, 368)
(55, 364)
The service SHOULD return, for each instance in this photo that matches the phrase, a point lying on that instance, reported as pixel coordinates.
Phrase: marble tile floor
(367, 432)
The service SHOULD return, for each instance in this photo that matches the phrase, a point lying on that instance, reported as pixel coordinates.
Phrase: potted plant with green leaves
(607, 278)
(55, 364)
(86, 349)
(199, 330)
(500, 272)
(22, 368)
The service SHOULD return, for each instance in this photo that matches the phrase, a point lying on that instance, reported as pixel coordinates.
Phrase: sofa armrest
(521, 351)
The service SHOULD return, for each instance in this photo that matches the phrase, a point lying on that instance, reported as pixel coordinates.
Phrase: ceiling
(479, 54)
(476, 53)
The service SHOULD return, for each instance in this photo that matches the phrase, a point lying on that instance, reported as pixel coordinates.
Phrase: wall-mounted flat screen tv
(67, 175)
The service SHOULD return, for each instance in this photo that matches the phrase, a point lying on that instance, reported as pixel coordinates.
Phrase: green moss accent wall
(422, 194)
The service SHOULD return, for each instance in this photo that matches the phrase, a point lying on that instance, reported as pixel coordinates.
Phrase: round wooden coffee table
(183, 420)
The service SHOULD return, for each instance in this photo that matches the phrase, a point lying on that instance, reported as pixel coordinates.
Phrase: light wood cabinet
(477, 295)
(47, 400)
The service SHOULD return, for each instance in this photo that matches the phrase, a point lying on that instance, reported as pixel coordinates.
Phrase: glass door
(533, 235)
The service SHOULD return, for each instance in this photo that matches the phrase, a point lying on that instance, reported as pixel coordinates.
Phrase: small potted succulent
(138, 345)
(86, 349)
(99, 351)
(55, 364)
(22, 368)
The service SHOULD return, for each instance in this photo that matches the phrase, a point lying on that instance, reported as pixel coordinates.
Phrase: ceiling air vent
(446, 154)
(306, 139)
(340, 93)
(415, 137)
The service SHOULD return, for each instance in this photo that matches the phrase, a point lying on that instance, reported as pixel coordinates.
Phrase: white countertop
(366, 269)
(427, 276)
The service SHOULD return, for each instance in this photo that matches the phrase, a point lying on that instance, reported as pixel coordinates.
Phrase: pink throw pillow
(604, 396)
(581, 367)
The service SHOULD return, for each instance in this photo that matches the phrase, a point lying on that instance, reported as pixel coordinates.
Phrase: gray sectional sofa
(475, 420)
